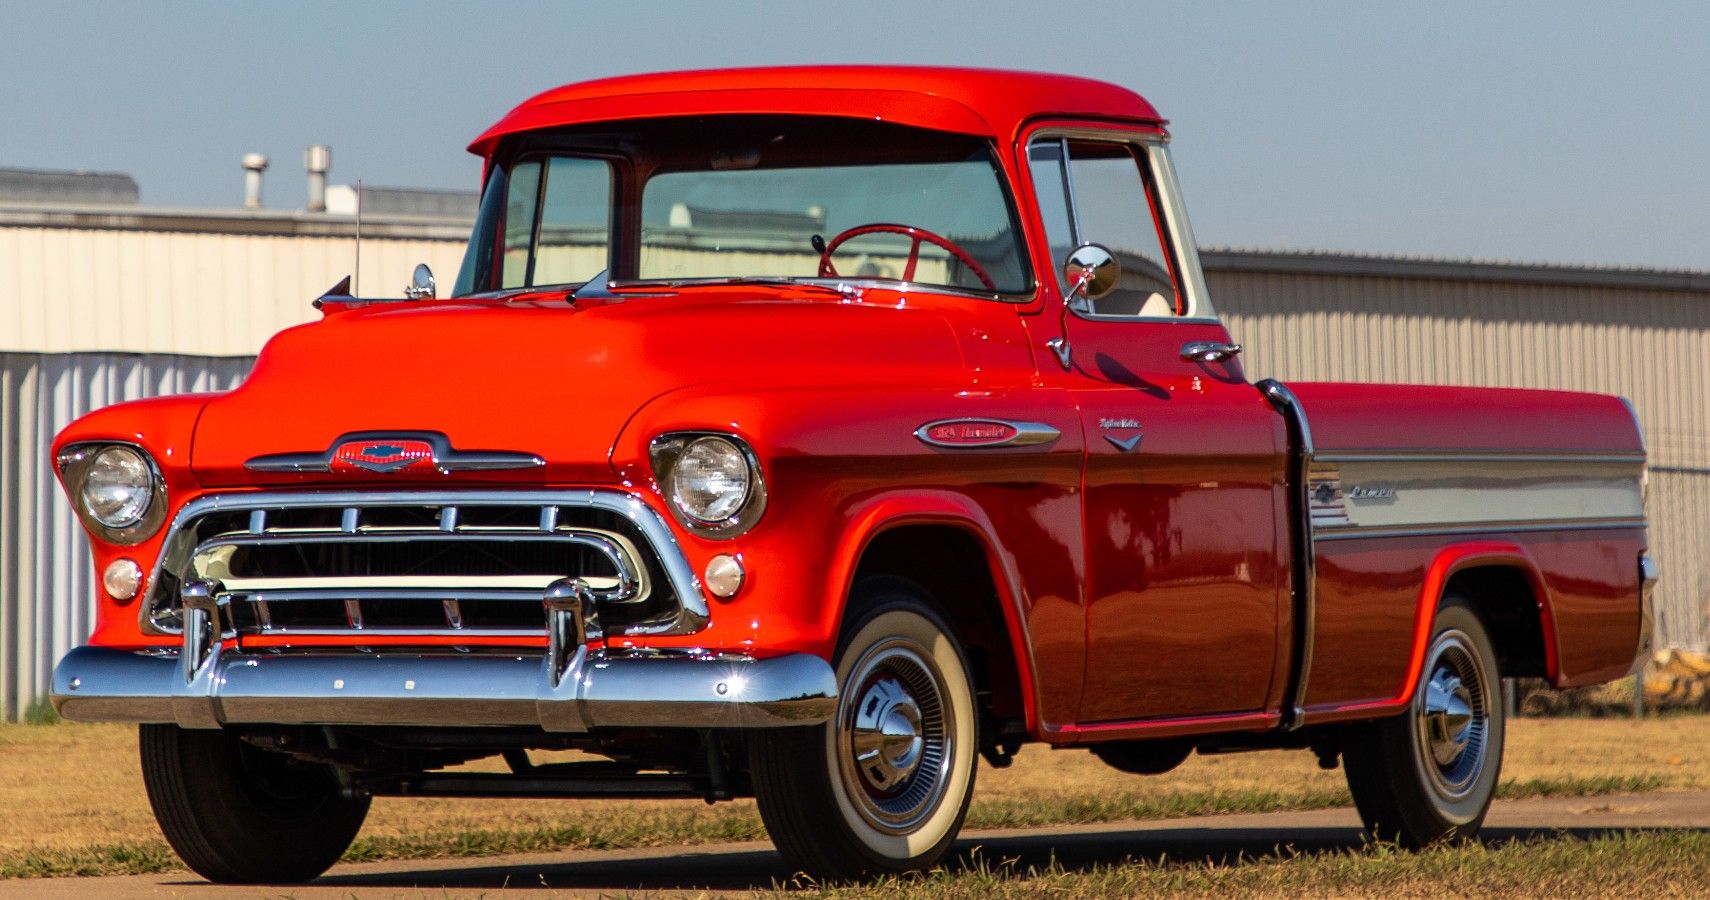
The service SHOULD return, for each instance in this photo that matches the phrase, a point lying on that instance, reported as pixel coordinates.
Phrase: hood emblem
(393, 452)
(381, 456)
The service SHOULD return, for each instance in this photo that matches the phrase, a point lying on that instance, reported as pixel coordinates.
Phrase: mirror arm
(1060, 344)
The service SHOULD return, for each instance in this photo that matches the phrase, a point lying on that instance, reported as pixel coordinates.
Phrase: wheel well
(952, 566)
(1503, 598)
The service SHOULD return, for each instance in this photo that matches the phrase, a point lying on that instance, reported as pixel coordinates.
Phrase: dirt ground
(69, 786)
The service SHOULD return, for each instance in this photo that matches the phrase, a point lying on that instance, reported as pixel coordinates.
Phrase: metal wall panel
(47, 589)
(210, 293)
(1319, 321)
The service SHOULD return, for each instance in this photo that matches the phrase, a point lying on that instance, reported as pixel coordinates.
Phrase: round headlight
(118, 488)
(710, 480)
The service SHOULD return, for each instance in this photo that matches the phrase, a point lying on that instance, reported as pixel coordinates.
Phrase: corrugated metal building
(99, 305)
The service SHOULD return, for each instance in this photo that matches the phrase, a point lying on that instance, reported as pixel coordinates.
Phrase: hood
(542, 379)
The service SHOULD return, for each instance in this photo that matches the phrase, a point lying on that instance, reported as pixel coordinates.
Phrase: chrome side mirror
(421, 285)
(1091, 273)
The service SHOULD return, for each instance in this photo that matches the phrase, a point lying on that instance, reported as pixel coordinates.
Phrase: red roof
(986, 102)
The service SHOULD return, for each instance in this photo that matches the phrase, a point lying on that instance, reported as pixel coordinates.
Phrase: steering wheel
(826, 248)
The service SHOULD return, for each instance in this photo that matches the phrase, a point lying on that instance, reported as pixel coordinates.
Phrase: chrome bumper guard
(567, 690)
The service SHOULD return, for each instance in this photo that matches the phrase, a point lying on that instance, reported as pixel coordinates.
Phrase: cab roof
(987, 102)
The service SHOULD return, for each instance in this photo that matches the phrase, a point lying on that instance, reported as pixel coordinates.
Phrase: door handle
(1209, 351)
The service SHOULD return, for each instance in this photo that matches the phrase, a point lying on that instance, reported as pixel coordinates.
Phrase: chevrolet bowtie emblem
(381, 456)
(386, 453)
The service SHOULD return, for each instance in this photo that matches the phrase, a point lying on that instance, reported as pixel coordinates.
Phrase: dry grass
(1633, 864)
(75, 803)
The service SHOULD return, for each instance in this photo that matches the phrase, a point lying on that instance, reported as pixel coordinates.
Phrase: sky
(1556, 132)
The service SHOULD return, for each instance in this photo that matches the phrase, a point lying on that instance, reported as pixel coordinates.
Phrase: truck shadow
(745, 869)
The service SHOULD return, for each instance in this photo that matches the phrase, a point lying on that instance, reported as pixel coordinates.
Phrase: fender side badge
(963, 434)
(1126, 445)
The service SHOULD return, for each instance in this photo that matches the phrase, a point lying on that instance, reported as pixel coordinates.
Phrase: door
(1183, 479)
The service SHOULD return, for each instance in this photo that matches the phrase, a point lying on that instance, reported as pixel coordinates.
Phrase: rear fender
(1459, 557)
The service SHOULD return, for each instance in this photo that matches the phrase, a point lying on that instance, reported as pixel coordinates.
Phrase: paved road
(698, 871)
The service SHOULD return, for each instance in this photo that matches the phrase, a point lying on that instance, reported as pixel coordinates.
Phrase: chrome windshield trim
(831, 284)
(693, 612)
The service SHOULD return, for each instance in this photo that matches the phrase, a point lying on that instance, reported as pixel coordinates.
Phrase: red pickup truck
(808, 434)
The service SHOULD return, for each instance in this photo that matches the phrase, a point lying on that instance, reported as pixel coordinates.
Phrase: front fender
(873, 516)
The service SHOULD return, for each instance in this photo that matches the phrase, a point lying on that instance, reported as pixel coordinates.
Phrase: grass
(41, 712)
(1627, 864)
(75, 804)
(740, 823)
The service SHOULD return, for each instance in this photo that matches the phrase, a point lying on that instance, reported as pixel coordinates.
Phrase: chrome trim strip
(287, 594)
(1027, 434)
(693, 612)
(1344, 534)
(1573, 456)
(627, 586)
(102, 684)
(468, 635)
(1302, 534)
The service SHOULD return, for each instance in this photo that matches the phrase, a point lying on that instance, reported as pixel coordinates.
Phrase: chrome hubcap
(894, 736)
(887, 739)
(1448, 716)
(1452, 714)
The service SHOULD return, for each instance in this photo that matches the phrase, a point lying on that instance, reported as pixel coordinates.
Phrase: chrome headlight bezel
(667, 449)
(75, 463)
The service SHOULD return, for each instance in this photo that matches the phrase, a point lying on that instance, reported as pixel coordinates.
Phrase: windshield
(749, 198)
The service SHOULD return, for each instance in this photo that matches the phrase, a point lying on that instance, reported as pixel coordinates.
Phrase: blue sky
(1569, 132)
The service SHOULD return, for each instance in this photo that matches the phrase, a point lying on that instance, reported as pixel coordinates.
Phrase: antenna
(357, 281)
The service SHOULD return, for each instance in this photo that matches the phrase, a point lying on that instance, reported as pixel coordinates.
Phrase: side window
(557, 218)
(1106, 195)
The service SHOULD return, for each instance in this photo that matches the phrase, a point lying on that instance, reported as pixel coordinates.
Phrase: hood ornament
(393, 452)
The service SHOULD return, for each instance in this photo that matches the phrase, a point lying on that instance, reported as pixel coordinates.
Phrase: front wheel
(1429, 774)
(883, 787)
(239, 815)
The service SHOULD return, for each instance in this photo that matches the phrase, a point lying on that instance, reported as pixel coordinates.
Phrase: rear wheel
(240, 815)
(883, 787)
(1429, 775)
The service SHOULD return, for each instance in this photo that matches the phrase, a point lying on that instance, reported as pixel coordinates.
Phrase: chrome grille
(423, 564)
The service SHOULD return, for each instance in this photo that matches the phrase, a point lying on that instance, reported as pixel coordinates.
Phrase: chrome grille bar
(275, 522)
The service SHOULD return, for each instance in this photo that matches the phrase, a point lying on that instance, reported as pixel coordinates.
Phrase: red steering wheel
(826, 270)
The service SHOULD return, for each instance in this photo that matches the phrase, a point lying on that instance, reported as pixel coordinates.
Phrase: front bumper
(99, 684)
(569, 688)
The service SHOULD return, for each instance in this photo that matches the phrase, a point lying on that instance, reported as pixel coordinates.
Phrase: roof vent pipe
(253, 165)
(317, 160)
